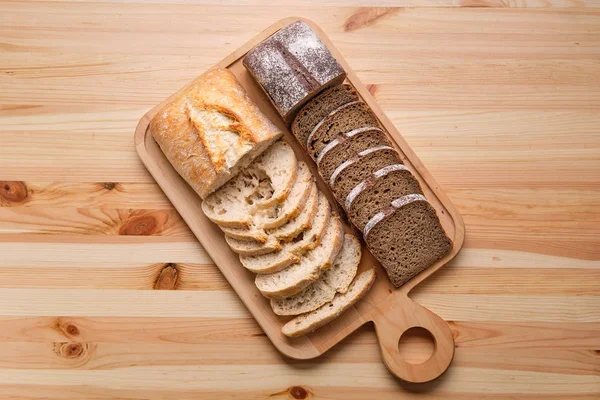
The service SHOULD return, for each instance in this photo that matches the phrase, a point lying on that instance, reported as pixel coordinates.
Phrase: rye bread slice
(336, 279)
(318, 108)
(291, 251)
(343, 119)
(306, 323)
(358, 168)
(406, 237)
(348, 145)
(295, 278)
(378, 191)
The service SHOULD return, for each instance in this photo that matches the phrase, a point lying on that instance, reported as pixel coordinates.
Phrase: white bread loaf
(212, 130)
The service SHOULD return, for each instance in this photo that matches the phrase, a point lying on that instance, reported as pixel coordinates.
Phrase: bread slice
(261, 220)
(334, 280)
(306, 323)
(253, 247)
(295, 278)
(348, 145)
(343, 119)
(406, 237)
(286, 232)
(271, 176)
(378, 191)
(318, 108)
(290, 251)
(357, 169)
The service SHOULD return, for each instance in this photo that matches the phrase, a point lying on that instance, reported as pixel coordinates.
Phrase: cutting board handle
(397, 315)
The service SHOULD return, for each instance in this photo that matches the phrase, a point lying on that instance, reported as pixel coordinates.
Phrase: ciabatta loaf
(306, 323)
(212, 130)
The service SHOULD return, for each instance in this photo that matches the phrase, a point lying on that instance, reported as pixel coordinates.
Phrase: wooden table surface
(104, 292)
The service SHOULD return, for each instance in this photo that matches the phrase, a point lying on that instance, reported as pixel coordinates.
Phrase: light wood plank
(225, 304)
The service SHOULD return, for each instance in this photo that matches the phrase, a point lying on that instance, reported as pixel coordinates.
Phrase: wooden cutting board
(390, 309)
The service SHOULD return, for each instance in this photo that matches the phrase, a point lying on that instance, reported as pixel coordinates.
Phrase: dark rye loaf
(378, 191)
(292, 66)
(357, 169)
(348, 145)
(319, 107)
(343, 119)
(406, 238)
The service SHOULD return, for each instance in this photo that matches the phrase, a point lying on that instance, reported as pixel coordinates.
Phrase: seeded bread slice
(334, 280)
(268, 180)
(290, 251)
(279, 214)
(348, 145)
(343, 119)
(295, 278)
(406, 237)
(318, 108)
(286, 232)
(357, 169)
(306, 323)
(378, 191)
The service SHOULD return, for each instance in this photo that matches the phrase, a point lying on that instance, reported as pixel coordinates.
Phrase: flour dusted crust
(212, 130)
(292, 66)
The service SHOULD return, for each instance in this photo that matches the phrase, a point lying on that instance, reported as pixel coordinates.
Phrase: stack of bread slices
(379, 193)
(284, 230)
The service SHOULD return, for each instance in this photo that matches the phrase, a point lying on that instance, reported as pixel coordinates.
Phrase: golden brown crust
(212, 129)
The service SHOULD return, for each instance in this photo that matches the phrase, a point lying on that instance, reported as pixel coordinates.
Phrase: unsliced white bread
(290, 251)
(251, 247)
(277, 215)
(306, 323)
(336, 279)
(270, 178)
(295, 278)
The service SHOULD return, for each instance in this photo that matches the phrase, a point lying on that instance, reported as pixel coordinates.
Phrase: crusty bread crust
(211, 130)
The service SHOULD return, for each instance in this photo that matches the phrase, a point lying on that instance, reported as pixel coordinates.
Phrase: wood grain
(499, 99)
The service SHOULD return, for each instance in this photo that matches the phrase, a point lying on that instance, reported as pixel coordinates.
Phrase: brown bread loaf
(292, 66)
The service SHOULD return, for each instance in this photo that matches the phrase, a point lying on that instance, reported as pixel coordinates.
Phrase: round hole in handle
(416, 345)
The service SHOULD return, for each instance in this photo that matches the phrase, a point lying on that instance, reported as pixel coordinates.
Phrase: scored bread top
(211, 130)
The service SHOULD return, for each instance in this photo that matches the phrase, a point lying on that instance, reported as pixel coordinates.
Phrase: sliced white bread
(253, 247)
(336, 279)
(249, 246)
(295, 278)
(268, 180)
(279, 214)
(306, 323)
(290, 251)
